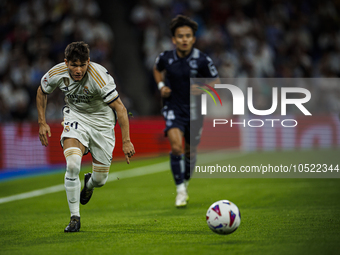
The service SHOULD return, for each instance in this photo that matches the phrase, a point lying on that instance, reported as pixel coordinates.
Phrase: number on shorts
(73, 124)
(169, 115)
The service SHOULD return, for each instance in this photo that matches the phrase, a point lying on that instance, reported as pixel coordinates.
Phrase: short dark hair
(181, 21)
(77, 51)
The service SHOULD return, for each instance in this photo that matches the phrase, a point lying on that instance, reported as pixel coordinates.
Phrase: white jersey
(88, 98)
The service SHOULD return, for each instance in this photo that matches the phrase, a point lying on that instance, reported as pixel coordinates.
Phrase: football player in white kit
(92, 108)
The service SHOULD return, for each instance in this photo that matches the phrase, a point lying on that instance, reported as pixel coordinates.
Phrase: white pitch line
(34, 193)
(138, 171)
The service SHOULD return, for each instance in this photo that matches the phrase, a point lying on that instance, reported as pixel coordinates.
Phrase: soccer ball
(223, 217)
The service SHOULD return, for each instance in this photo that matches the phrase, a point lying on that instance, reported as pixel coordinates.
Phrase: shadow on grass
(230, 242)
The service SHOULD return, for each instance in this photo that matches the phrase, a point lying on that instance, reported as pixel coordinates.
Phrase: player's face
(77, 69)
(184, 39)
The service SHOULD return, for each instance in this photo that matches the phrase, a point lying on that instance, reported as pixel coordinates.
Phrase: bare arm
(123, 121)
(44, 128)
(165, 91)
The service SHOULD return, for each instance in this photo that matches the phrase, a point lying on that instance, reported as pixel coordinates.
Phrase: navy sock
(177, 168)
(190, 164)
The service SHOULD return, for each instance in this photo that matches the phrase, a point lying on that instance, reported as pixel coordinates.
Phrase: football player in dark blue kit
(172, 72)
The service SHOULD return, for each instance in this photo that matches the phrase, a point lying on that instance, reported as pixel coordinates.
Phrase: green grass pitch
(137, 215)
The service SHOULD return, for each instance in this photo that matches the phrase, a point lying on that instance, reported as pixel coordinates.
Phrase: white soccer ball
(223, 217)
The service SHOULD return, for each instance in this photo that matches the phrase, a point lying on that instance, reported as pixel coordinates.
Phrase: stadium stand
(244, 38)
(247, 38)
(269, 39)
(33, 37)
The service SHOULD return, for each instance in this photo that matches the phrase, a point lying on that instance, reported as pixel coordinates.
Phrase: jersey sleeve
(109, 92)
(48, 83)
(160, 62)
(105, 83)
(208, 69)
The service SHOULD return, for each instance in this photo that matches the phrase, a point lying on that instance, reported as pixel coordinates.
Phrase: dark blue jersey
(178, 74)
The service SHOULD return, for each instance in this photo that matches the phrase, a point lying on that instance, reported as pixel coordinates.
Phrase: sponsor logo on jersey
(79, 98)
(193, 64)
(170, 61)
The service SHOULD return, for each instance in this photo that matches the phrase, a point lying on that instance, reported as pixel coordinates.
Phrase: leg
(100, 174)
(177, 165)
(97, 179)
(190, 160)
(192, 137)
(102, 145)
(73, 151)
(176, 159)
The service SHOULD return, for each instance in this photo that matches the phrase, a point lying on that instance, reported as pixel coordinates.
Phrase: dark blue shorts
(192, 129)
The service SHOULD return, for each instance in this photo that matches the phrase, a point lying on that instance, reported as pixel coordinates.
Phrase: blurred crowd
(33, 37)
(245, 38)
(254, 38)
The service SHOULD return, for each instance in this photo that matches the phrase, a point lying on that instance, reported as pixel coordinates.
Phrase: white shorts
(100, 142)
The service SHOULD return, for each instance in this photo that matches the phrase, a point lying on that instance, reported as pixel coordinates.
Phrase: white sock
(73, 195)
(186, 184)
(100, 174)
(180, 187)
(73, 157)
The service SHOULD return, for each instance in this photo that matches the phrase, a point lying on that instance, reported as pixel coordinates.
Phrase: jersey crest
(86, 90)
(66, 81)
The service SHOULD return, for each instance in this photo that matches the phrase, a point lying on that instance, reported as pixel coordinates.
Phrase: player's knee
(100, 174)
(73, 166)
(99, 179)
(73, 161)
(176, 149)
